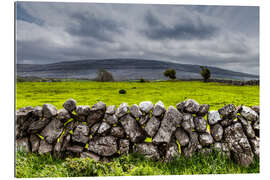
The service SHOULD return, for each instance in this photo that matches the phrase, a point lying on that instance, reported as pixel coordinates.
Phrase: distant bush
(104, 76)
(205, 73)
(142, 80)
(171, 73)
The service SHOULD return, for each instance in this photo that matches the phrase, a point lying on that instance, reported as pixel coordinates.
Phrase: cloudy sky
(226, 37)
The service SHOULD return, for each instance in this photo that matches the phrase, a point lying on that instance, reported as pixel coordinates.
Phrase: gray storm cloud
(226, 37)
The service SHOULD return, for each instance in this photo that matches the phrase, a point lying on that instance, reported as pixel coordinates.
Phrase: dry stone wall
(100, 132)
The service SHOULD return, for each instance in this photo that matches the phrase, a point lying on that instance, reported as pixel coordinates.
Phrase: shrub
(142, 80)
(205, 73)
(104, 76)
(170, 73)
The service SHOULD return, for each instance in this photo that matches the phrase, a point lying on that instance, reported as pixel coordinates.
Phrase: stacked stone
(101, 132)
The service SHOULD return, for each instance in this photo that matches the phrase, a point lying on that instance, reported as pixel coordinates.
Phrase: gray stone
(66, 142)
(124, 146)
(203, 110)
(23, 145)
(217, 132)
(34, 140)
(99, 106)
(132, 129)
(23, 114)
(191, 106)
(90, 155)
(256, 127)
(103, 146)
(248, 113)
(96, 114)
(228, 111)
(187, 123)
(82, 110)
(180, 107)
(146, 106)
(213, 117)
(247, 127)
(205, 151)
(75, 149)
(149, 150)
(238, 144)
(122, 110)
(159, 109)
(49, 110)
(37, 111)
(110, 110)
(182, 137)
(171, 120)
(81, 134)
(45, 147)
(192, 146)
(206, 139)
(110, 119)
(104, 128)
(144, 118)
(256, 109)
(70, 105)
(172, 151)
(94, 128)
(63, 115)
(200, 124)
(222, 147)
(135, 111)
(255, 145)
(152, 126)
(118, 132)
(52, 131)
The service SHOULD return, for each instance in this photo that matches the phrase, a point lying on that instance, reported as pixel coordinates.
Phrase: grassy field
(88, 93)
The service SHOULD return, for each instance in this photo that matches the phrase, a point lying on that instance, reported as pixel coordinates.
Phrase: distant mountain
(124, 69)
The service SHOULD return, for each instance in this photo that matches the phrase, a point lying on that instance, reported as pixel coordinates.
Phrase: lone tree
(205, 73)
(104, 76)
(170, 73)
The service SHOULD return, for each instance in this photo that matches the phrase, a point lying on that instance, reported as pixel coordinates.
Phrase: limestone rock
(135, 111)
(110, 110)
(192, 146)
(222, 147)
(132, 129)
(203, 110)
(90, 155)
(23, 145)
(217, 132)
(99, 106)
(52, 131)
(95, 116)
(182, 137)
(247, 127)
(82, 110)
(23, 114)
(104, 128)
(122, 110)
(190, 106)
(75, 149)
(146, 106)
(66, 142)
(37, 126)
(200, 124)
(37, 111)
(256, 109)
(228, 111)
(103, 146)
(95, 128)
(255, 145)
(34, 140)
(49, 110)
(149, 150)
(152, 126)
(70, 105)
(124, 146)
(63, 115)
(172, 151)
(225, 122)
(45, 147)
(118, 132)
(81, 134)
(213, 117)
(206, 139)
(171, 120)
(144, 118)
(188, 123)
(248, 113)
(110, 119)
(159, 109)
(256, 127)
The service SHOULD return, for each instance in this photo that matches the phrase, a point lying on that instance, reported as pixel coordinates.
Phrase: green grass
(170, 93)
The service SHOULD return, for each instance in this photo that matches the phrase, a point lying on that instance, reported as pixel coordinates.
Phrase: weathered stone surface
(206, 151)
(171, 151)
(149, 150)
(37, 111)
(34, 140)
(159, 109)
(45, 147)
(81, 134)
(187, 123)
(23, 145)
(63, 115)
(95, 116)
(104, 146)
(110, 110)
(182, 137)
(94, 128)
(213, 117)
(52, 131)
(144, 118)
(110, 119)
(152, 126)
(203, 110)
(255, 145)
(228, 111)
(66, 142)
(23, 114)
(217, 132)
(190, 106)
(132, 129)
(104, 128)
(200, 124)
(49, 110)
(122, 110)
(90, 155)
(99, 106)
(238, 144)
(135, 111)
(146, 106)
(222, 147)
(247, 127)
(256, 127)
(70, 105)
(206, 139)
(248, 113)
(124, 146)
(171, 120)
(180, 107)
(118, 132)
(256, 109)
(192, 146)
(75, 149)
(82, 110)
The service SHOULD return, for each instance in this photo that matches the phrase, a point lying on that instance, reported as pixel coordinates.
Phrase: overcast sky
(225, 37)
